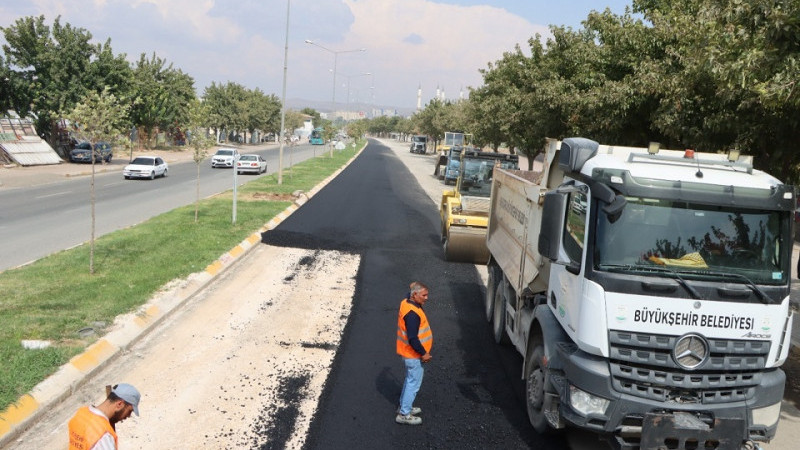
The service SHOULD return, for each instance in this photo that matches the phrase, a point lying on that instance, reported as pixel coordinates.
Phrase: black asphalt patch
(472, 394)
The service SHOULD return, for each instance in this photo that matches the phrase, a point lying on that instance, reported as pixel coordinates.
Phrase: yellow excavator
(465, 209)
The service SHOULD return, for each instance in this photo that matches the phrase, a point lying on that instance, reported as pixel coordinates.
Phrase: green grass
(56, 296)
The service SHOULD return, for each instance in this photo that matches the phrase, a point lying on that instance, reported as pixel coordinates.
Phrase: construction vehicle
(465, 209)
(419, 144)
(647, 291)
(449, 149)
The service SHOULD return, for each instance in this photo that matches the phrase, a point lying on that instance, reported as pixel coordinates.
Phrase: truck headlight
(586, 403)
(767, 416)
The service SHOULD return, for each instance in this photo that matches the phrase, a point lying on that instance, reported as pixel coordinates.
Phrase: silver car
(252, 164)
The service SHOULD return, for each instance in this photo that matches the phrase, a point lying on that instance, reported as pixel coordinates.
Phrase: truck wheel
(534, 388)
(491, 286)
(499, 317)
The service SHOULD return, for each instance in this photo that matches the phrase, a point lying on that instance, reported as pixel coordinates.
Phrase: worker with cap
(94, 427)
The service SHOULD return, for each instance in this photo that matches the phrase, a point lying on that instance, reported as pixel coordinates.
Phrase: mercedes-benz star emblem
(690, 351)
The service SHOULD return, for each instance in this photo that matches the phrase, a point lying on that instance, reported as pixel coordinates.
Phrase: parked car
(224, 157)
(251, 163)
(146, 167)
(83, 152)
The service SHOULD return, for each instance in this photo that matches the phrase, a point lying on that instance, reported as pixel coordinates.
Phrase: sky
(409, 45)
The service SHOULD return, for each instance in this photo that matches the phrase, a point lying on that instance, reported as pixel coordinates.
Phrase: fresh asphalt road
(39, 220)
(472, 396)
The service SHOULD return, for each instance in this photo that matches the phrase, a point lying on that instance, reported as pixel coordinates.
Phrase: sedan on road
(145, 167)
(251, 163)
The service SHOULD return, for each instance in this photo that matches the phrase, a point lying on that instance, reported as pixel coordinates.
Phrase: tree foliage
(161, 96)
(696, 74)
(50, 69)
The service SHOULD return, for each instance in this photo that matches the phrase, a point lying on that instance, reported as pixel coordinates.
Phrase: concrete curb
(130, 328)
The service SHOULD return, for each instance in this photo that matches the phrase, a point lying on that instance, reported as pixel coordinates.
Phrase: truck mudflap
(682, 430)
(466, 244)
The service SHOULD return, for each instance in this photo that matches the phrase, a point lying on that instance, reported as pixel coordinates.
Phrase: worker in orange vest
(414, 342)
(94, 428)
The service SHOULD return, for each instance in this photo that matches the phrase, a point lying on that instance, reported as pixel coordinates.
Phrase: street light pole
(283, 98)
(349, 77)
(335, 62)
(372, 97)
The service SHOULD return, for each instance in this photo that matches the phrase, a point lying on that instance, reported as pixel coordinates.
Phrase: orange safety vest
(425, 334)
(86, 428)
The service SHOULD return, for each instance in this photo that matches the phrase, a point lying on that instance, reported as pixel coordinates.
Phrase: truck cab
(419, 144)
(648, 293)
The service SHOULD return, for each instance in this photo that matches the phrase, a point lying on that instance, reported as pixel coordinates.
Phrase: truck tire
(495, 276)
(535, 387)
(499, 316)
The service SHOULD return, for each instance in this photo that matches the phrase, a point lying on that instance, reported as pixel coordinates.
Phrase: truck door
(566, 284)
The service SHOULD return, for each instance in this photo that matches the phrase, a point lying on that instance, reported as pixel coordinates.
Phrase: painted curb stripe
(96, 352)
(17, 412)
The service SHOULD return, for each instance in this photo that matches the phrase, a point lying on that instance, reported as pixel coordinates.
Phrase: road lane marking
(53, 195)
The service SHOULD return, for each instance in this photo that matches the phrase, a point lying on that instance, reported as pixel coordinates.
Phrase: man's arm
(412, 321)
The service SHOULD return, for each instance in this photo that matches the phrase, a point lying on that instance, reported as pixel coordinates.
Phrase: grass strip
(55, 297)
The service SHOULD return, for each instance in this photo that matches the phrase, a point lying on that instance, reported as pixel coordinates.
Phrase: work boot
(408, 420)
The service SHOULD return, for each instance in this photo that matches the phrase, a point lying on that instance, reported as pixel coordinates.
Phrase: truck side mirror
(555, 204)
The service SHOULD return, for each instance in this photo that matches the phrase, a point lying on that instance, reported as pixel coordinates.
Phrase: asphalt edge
(130, 328)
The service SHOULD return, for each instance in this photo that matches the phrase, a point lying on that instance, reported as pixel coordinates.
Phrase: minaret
(419, 97)
(438, 94)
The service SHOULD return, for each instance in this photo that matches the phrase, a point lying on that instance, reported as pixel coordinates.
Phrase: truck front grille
(642, 365)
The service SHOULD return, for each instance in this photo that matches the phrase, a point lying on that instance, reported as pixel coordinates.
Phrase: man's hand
(426, 357)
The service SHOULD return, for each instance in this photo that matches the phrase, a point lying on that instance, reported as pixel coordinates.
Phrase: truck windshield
(476, 180)
(699, 241)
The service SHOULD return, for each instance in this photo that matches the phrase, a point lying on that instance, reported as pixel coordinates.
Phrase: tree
(162, 96)
(98, 118)
(47, 69)
(227, 104)
(262, 112)
(199, 141)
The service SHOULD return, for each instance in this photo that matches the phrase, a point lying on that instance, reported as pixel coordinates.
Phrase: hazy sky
(409, 44)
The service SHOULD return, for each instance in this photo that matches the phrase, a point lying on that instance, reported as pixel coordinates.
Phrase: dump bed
(515, 219)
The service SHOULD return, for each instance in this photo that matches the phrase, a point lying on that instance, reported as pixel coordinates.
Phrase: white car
(224, 157)
(145, 167)
(251, 163)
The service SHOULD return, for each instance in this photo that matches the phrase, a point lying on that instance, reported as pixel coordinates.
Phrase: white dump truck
(648, 292)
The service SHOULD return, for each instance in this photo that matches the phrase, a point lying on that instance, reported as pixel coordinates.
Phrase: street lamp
(335, 61)
(283, 98)
(349, 77)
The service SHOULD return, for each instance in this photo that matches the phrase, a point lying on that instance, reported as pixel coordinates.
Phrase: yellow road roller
(465, 209)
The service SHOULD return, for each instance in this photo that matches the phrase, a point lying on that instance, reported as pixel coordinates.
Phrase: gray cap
(129, 394)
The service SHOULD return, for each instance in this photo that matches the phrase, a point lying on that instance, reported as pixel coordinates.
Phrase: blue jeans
(414, 372)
